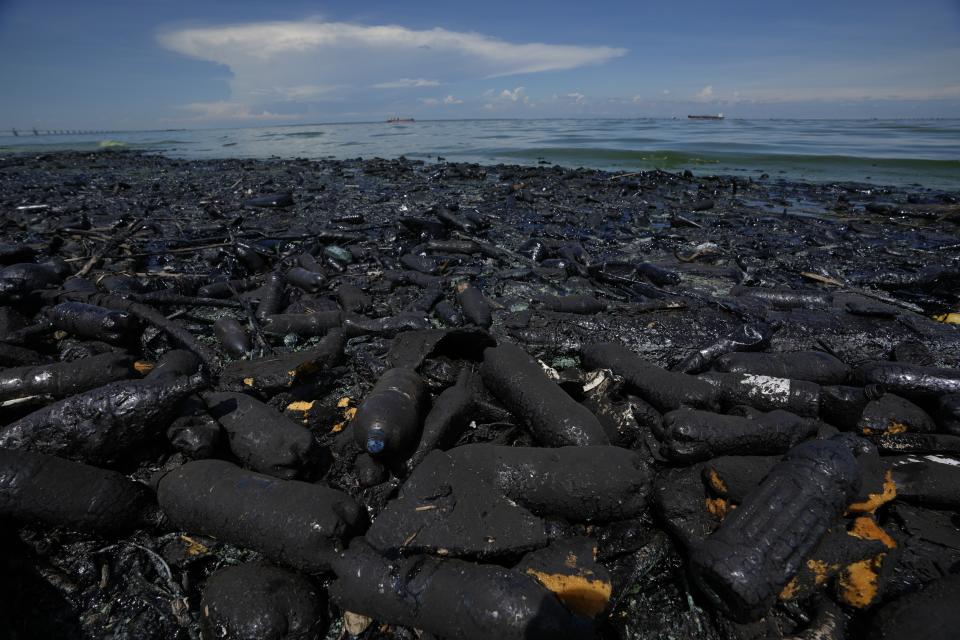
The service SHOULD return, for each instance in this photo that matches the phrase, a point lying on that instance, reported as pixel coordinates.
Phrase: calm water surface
(896, 152)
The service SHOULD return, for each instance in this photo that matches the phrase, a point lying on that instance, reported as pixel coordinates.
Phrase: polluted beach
(254, 385)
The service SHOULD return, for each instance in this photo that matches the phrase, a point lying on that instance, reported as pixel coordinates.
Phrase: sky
(158, 64)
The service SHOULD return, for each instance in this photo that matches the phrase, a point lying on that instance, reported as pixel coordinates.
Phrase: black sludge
(292, 522)
(928, 614)
(19, 280)
(690, 435)
(35, 487)
(746, 337)
(90, 321)
(261, 437)
(484, 500)
(284, 370)
(893, 414)
(785, 297)
(452, 598)
(909, 380)
(270, 200)
(448, 416)
(260, 602)
(98, 426)
(932, 481)
(948, 414)
(310, 281)
(447, 314)
(744, 566)
(174, 363)
(843, 406)
(271, 296)
(766, 393)
(934, 443)
(665, 390)
(390, 419)
(64, 378)
(224, 289)
(406, 321)
(656, 274)
(353, 299)
(575, 304)
(302, 324)
(554, 417)
(11, 355)
(232, 336)
(11, 253)
(813, 366)
(475, 307)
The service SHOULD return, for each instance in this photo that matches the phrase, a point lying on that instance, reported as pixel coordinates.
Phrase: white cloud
(433, 102)
(281, 57)
(295, 93)
(637, 98)
(406, 83)
(514, 95)
(827, 94)
(508, 99)
(706, 93)
(579, 98)
(665, 92)
(224, 110)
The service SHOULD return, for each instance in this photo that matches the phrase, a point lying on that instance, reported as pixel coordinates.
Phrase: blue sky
(173, 63)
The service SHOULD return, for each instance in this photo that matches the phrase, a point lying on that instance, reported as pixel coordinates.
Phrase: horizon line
(27, 131)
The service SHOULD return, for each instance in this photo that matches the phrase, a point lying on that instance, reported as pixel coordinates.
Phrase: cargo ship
(399, 120)
(719, 116)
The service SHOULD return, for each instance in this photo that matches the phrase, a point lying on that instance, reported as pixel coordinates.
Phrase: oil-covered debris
(814, 366)
(89, 321)
(41, 488)
(289, 521)
(260, 602)
(690, 434)
(487, 500)
(776, 528)
(260, 436)
(452, 598)
(554, 417)
(389, 421)
(927, 614)
(101, 425)
(386, 399)
(61, 379)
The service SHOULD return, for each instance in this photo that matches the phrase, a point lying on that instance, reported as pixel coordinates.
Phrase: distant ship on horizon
(719, 116)
(399, 120)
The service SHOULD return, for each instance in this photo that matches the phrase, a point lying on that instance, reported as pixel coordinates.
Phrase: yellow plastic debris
(858, 582)
(581, 592)
(143, 367)
(194, 548)
(790, 590)
(875, 500)
(866, 528)
(301, 405)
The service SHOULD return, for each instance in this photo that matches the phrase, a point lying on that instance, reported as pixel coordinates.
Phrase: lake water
(896, 152)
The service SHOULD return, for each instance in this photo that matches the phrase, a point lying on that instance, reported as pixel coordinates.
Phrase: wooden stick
(110, 244)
